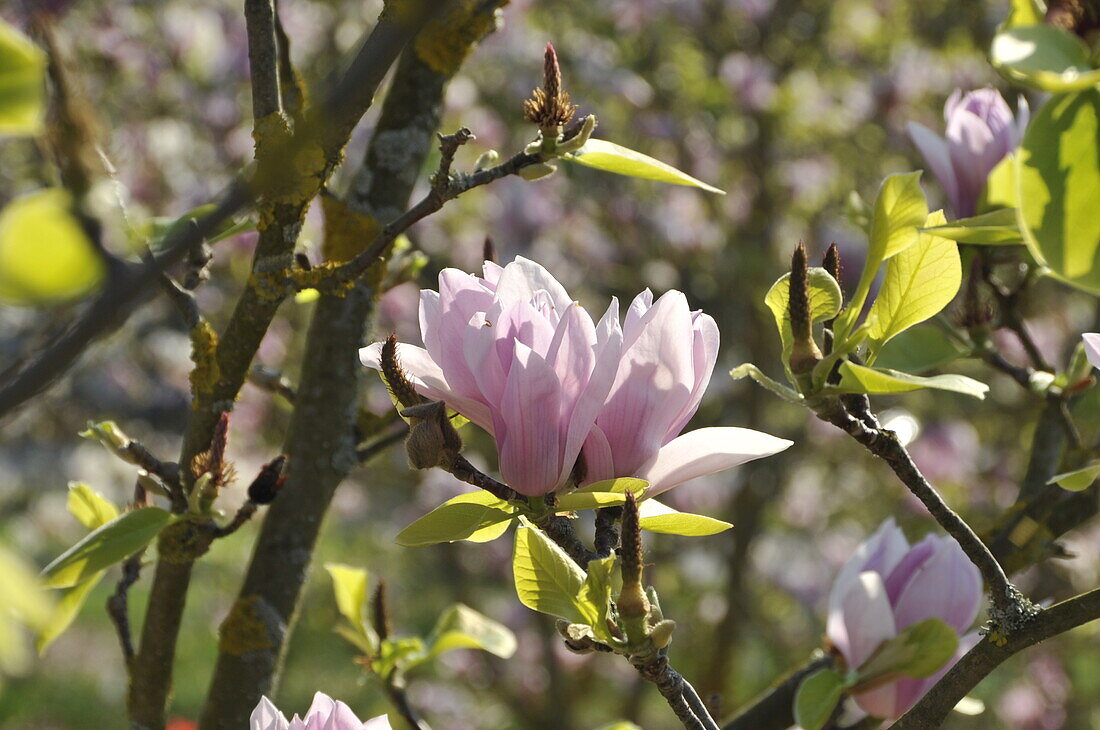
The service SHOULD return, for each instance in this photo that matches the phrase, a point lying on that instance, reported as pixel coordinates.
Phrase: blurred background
(787, 105)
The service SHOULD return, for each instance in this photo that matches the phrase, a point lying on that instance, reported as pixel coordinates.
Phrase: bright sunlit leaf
(22, 83)
(610, 157)
(547, 580)
(474, 516)
(110, 544)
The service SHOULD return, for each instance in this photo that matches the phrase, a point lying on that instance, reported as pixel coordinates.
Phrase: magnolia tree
(587, 403)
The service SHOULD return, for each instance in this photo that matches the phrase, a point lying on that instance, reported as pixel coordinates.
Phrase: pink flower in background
(324, 714)
(981, 131)
(887, 586)
(516, 355)
(1092, 347)
(668, 356)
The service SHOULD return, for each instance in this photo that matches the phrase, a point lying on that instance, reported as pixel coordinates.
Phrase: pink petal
(429, 314)
(862, 620)
(946, 586)
(935, 153)
(479, 349)
(706, 451)
(634, 314)
(904, 571)
(491, 271)
(521, 279)
(266, 716)
(1092, 347)
(974, 153)
(704, 355)
(598, 463)
(428, 380)
(652, 385)
(530, 448)
(461, 295)
(342, 718)
(880, 702)
(320, 710)
(879, 553)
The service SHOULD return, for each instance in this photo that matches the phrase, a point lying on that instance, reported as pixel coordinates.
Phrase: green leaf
(918, 349)
(461, 627)
(65, 612)
(45, 256)
(817, 697)
(825, 301)
(398, 655)
(610, 157)
(658, 517)
(1044, 57)
(617, 486)
(997, 228)
(577, 501)
(1000, 187)
(1024, 12)
(21, 594)
(595, 596)
(474, 516)
(107, 545)
(350, 587)
(879, 381)
(89, 506)
(1077, 480)
(919, 282)
(899, 209)
(919, 651)
(1058, 186)
(547, 580)
(751, 371)
(159, 229)
(22, 83)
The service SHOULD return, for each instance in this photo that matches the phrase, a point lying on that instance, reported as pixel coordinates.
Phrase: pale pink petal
(479, 348)
(297, 723)
(652, 385)
(598, 463)
(529, 451)
(491, 271)
(520, 280)
(266, 716)
(342, 718)
(461, 296)
(704, 355)
(880, 553)
(936, 154)
(903, 572)
(378, 723)
(429, 314)
(1092, 347)
(634, 314)
(974, 153)
(879, 702)
(706, 451)
(862, 620)
(946, 586)
(320, 711)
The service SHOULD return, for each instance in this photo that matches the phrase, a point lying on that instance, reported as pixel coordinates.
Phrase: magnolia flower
(511, 351)
(1092, 347)
(888, 586)
(981, 131)
(668, 356)
(324, 714)
(516, 355)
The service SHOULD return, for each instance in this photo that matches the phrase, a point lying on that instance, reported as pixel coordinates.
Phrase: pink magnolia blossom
(887, 586)
(514, 353)
(1092, 347)
(981, 131)
(668, 356)
(324, 714)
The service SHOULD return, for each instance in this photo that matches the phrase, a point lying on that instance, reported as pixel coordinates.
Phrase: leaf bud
(265, 487)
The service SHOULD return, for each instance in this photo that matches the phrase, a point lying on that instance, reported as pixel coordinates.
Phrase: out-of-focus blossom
(887, 586)
(668, 355)
(1092, 347)
(981, 130)
(324, 714)
(516, 355)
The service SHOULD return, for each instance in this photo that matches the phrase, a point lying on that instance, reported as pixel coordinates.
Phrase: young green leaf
(65, 611)
(617, 486)
(879, 381)
(817, 697)
(474, 516)
(577, 501)
(1000, 186)
(1024, 12)
(919, 651)
(107, 545)
(1077, 480)
(1058, 184)
(899, 209)
(658, 517)
(610, 157)
(1044, 57)
(45, 255)
(595, 596)
(919, 282)
(918, 349)
(461, 627)
(547, 580)
(996, 228)
(22, 83)
(748, 370)
(824, 296)
(89, 506)
(350, 587)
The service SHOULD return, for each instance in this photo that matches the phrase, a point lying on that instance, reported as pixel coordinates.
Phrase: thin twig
(118, 606)
(244, 514)
(368, 451)
(272, 381)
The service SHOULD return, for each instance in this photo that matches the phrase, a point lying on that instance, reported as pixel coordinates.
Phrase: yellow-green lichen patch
(347, 233)
(243, 630)
(204, 350)
(184, 542)
(445, 41)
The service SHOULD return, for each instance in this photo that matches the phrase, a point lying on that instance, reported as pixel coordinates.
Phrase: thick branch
(263, 57)
(933, 708)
